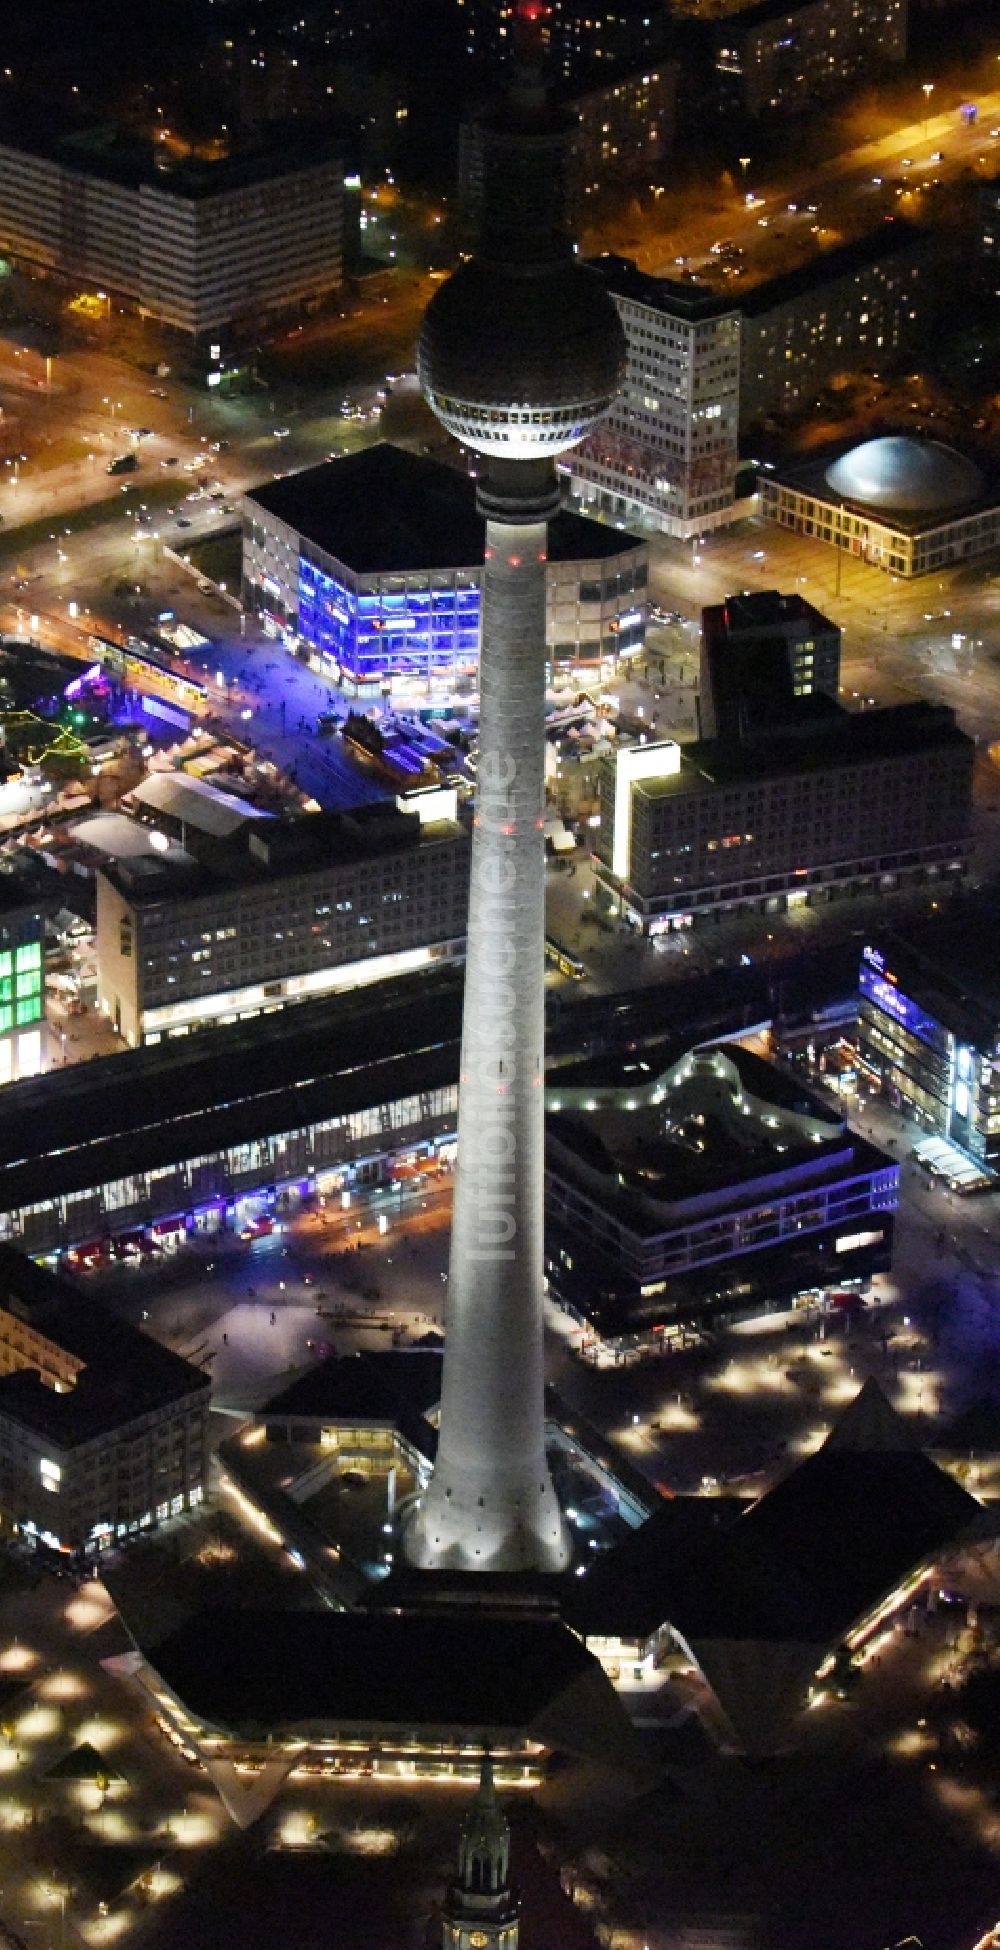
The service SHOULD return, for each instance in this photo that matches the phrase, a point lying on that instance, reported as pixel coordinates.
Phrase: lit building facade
(196, 245)
(779, 55)
(757, 650)
(625, 125)
(905, 506)
(372, 561)
(866, 802)
(666, 453)
(702, 1192)
(581, 40)
(850, 308)
(932, 1038)
(22, 990)
(300, 909)
(103, 1432)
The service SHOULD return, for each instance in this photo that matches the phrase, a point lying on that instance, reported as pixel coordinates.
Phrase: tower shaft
(490, 1504)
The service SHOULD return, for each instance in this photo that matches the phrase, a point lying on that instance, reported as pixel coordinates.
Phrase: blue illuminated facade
(371, 565)
(939, 1057)
(371, 635)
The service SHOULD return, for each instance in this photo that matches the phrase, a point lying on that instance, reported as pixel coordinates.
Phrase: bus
(566, 962)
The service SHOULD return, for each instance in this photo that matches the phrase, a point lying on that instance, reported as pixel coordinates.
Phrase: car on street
(282, 433)
(183, 521)
(171, 461)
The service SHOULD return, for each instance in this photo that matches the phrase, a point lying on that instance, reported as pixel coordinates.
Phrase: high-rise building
(666, 452)
(520, 353)
(199, 245)
(481, 1911)
(759, 650)
(780, 55)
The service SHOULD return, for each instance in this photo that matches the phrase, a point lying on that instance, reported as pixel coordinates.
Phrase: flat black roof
(278, 849)
(829, 737)
(114, 154)
(803, 1563)
(385, 510)
(891, 239)
(264, 1670)
(371, 1385)
(690, 303)
(86, 1124)
(126, 1374)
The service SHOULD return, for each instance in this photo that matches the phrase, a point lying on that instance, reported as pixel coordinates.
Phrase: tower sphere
(521, 363)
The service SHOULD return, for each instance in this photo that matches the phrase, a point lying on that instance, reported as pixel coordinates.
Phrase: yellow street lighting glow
(678, 1418)
(38, 1724)
(89, 1609)
(62, 1685)
(17, 1658)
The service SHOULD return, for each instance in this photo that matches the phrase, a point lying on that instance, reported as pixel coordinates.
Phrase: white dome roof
(909, 476)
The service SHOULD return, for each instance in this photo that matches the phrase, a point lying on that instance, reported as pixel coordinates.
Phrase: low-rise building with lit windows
(779, 55)
(103, 1432)
(848, 308)
(375, 562)
(144, 1147)
(708, 1189)
(905, 505)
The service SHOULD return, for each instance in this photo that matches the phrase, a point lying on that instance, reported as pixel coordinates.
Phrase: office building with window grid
(666, 452)
(929, 1026)
(838, 802)
(294, 909)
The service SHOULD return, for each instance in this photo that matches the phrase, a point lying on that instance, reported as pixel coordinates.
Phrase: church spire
(481, 1912)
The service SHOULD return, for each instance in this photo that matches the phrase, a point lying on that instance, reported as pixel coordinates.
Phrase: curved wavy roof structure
(908, 476)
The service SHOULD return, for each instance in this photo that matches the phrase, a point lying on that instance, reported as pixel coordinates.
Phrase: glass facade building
(22, 994)
(372, 636)
(931, 1049)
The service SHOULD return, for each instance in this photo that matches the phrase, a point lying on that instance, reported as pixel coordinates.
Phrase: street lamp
(927, 88)
(744, 162)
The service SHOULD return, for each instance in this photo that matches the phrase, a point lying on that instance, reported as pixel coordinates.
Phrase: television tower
(520, 353)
